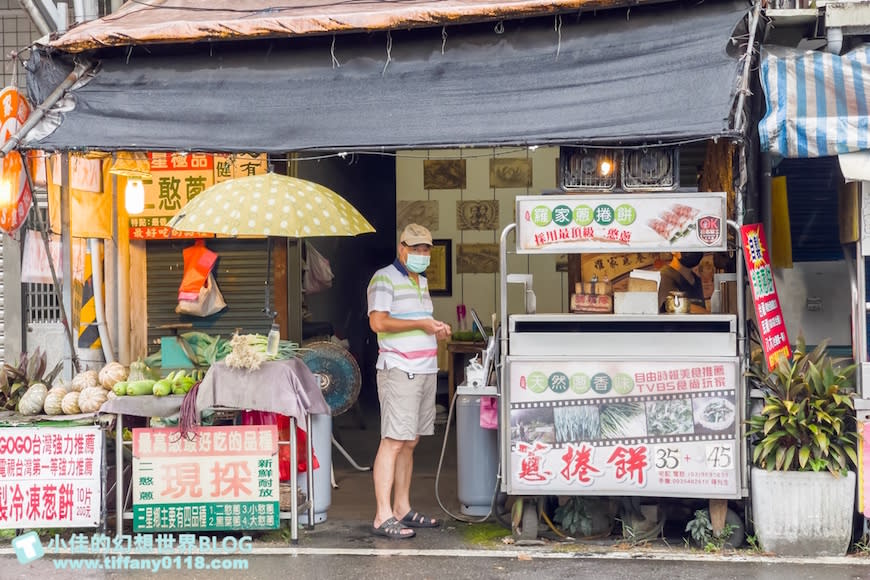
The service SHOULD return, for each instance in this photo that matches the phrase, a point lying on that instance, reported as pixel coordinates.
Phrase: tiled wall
(16, 32)
(481, 291)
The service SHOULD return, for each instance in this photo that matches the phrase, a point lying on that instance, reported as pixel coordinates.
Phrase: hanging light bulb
(135, 167)
(134, 196)
(5, 191)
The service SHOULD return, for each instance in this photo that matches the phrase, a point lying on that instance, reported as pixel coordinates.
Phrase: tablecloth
(287, 387)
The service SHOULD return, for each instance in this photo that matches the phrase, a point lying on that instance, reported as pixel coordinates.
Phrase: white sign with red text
(643, 222)
(625, 427)
(215, 478)
(50, 477)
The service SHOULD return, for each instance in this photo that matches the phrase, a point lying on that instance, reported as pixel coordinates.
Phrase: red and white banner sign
(50, 477)
(774, 338)
(15, 195)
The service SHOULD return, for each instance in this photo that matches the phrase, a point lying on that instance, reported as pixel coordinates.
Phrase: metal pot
(676, 302)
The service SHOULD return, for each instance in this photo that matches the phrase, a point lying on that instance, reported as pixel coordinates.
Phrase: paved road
(423, 564)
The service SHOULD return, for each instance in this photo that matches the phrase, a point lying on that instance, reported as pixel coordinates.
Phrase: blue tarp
(817, 102)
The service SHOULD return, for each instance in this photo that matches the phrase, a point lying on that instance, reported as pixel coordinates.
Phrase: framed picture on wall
(439, 274)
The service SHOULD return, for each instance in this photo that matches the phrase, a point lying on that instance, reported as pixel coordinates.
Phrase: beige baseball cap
(415, 234)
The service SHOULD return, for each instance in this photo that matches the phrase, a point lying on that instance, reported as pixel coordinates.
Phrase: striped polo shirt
(392, 290)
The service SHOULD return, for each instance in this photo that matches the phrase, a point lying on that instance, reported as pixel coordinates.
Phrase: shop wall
(481, 290)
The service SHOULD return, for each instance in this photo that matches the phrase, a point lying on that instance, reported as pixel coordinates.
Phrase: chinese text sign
(217, 478)
(621, 223)
(50, 477)
(774, 338)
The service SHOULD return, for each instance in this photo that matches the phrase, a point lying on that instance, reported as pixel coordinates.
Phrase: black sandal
(391, 528)
(414, 519)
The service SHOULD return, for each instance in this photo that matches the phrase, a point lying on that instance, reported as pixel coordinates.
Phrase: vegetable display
(31, 402)
(85, 379)
(111, 374)
(91, 399)
(51, 405)
(70, 403)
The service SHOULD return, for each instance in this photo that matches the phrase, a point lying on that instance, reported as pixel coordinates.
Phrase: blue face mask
(417, 263)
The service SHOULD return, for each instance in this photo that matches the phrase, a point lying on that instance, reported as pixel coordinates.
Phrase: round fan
(337, 371)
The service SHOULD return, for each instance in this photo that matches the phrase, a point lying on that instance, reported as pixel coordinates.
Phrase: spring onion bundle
(249, 351)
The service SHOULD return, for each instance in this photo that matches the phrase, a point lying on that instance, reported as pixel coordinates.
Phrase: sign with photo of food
(644, 222)
(656, 428)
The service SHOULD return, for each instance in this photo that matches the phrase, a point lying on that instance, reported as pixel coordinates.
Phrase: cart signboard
(774, 337)
(51, 477)
(221, 478)
(637, 427)
(644, 222)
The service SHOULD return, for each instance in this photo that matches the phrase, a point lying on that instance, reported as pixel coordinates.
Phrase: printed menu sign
(50, 477)
(625, 428)
(621, 223)
(774, 338)
(223, 478)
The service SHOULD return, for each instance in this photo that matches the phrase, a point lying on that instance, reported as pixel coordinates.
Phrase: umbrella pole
(269, 312)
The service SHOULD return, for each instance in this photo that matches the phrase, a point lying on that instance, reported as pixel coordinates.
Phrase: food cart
(644, 405)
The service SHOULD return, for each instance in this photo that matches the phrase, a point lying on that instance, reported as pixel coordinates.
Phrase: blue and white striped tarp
(817, 102)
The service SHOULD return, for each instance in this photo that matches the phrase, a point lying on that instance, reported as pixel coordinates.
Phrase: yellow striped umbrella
(270, 205)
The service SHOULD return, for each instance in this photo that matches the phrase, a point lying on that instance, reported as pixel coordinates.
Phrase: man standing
(400, 312)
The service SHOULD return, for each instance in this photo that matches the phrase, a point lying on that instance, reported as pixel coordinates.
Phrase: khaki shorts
(407, 405)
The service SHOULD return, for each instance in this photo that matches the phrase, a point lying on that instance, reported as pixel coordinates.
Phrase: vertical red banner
(774, 338)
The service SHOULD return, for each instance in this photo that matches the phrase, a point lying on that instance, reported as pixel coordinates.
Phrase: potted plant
(802, 486)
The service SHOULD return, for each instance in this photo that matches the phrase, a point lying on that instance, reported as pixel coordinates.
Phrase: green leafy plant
(752, 541)
(28, 370)
(701, 530)
(806, 423)
(572, 517)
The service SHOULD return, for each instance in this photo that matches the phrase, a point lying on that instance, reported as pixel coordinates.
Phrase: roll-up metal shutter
(813, 208)
(240, 273)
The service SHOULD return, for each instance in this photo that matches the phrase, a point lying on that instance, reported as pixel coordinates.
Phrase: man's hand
(444, 332)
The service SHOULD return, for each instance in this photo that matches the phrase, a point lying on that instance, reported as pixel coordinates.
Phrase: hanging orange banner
(15, 195)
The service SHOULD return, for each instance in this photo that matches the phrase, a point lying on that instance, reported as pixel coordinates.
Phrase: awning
(657, 73)
(156, 21)
(817, 102)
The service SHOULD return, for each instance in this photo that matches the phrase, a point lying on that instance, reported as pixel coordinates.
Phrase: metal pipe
(294, 484)
(309, 458)
(36, 17)
(36, 116)
(119, 475)
(56, 286)
(503, 350)
(747, 67)
(99, 302)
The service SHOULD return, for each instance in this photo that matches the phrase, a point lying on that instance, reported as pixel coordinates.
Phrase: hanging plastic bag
(488, 413)
(209, 301)
(283, 423)
(198, 263)
(318, 275)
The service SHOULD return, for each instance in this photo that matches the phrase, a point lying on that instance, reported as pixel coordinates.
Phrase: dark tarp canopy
(649, 74)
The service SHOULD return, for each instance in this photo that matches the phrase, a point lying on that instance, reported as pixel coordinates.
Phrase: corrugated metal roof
(162, 21)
